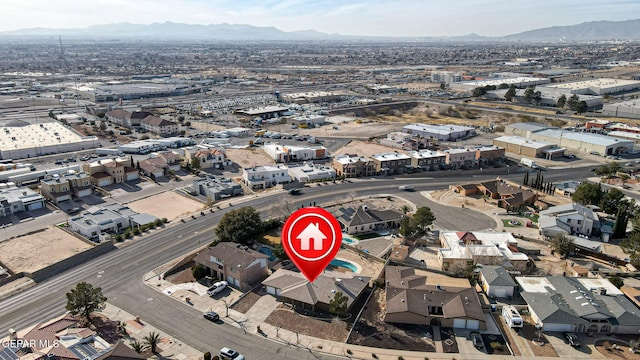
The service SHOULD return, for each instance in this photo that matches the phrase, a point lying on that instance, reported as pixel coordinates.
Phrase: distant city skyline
(345, 17)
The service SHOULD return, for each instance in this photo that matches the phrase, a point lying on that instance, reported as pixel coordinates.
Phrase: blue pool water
(267, 251)
(348, 240)
(344, 264)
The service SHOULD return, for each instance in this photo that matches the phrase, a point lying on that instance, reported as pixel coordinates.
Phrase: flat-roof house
(351, 166)
(108, 219)
(263, 177)
(239, 265)
(428, 160)
(293, 288)
(422, 298)
(217, 188)
(582, 305)
(496, 282)
(364, 219)
(18, 199)
(392, 163)
(460, 249)
(311, 172)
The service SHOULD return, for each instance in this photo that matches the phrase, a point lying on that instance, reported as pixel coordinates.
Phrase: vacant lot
(36, 251)
(364, 148)
(286, 318)
(250, 157)
(173, 205)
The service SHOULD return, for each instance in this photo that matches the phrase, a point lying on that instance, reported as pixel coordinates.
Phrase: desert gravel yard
(166, 205)
(40, 249)
(286, 318)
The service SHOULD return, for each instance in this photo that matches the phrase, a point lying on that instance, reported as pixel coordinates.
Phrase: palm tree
(152, 341)
(137, 346)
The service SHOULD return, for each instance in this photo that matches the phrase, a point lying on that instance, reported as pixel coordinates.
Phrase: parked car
(571, 339)
(217, 287)
(229, 354)
(476, 338)
(212, 316)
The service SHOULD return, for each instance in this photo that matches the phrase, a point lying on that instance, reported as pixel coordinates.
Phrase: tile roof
(496, 276)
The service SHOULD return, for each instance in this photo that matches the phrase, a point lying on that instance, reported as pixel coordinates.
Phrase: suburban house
(351, 166)
(566, 188)
(209, 158)
(127, 119)
(311, 172)
(160, 164)
(509, 197)
(392, 163)
(427, 160)
(110, 171)
(64, 187)
(62, 338)
(461, 249)
(108, 219)
(581, 305)
(293, 288)
(239, 265)
(263, 177)
(217, 188)
(18, 199)
(363, 219)
(419, 297)
(292, 153)
(569, 219)
(159, 126)
(496, 282)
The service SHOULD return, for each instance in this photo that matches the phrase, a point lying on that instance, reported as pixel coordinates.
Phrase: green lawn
(505, 222)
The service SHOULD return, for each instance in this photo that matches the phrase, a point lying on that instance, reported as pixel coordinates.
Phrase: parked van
(512, 316)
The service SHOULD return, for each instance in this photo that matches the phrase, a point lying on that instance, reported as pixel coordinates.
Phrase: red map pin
(311, 237)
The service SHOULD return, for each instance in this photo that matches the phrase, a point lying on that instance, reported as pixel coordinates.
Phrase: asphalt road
(120, 272)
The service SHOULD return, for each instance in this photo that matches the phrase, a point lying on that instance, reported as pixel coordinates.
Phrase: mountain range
(588, 31)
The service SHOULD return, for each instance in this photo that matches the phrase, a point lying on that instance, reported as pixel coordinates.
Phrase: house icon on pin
(312, 231)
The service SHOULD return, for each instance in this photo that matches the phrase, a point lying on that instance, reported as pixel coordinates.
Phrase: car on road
(476, 338)
(230, 354)
(85, 158)
(217, 287)
(571, 339)
(406, 187)
(59, 162)
(212, 316)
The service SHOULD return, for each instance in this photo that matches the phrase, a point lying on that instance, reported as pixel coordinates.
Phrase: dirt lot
(36, 251)
(180, 205)
(287, 319)
(243, 305)
(364, 148)
(372, 331)
(530, 333)
(247, 158)
(615, 350)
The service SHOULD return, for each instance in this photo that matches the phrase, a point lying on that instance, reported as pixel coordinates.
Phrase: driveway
(262, 309)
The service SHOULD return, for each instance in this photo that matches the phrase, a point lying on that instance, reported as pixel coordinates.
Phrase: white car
(230, 354)
(217, 287)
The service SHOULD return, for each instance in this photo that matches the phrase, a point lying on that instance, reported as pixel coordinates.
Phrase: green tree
(562, 244)
(562, 100)
(479, 91)
(195, 163)
(611, 200)
(278, 251)
(181, 118)
(198, 271)
(581, 107)
(631, 244)
(338, 305)
(240, 226)
(443, 86)
(152, 340)
(415, 226)
(137, 346)
(511, 93)
(103, 126)
(207, 356)
(608, 170)
(572, 101)
(536, 98)
(528, 95)
(85, 299)
(504, 86)
(101, 115)
(588, 194)
(617, 281)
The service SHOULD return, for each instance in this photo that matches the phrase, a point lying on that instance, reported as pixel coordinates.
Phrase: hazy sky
(348, 17)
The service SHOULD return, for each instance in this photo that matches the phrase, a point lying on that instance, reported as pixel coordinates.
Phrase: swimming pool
(349, 241)
(344, 264)
(267, 251)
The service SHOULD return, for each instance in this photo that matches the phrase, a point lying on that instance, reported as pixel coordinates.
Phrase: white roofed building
(263, 177)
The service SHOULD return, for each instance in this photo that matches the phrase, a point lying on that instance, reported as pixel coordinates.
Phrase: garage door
(35, 206)
(501, 292)
(459, 323)
(473, 324)
(233, 281)
(271, 290)
(104, 182)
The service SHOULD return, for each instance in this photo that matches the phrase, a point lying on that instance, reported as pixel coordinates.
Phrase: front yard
(286, 318)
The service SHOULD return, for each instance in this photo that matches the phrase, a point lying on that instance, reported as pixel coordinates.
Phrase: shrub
(496, 345)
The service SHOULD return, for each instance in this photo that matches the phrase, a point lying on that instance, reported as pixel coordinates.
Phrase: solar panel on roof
(84, 351)
(7, 354)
